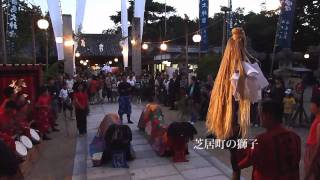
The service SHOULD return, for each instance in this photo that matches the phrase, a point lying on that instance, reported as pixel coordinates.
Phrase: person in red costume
(82, 107)
(43, 113)
(7, 118)
(8, 124)
(8, 95)
(93, 90)
(277, 152)
(312, 150)
(23, 111)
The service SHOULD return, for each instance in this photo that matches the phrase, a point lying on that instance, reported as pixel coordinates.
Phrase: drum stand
(300, 112)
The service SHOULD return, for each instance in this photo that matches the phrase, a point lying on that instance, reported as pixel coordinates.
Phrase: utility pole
(224, 31)
(3, 50)
(34, 56)
(47, 50)
(187, 39)
(275, 45)
(165, 18)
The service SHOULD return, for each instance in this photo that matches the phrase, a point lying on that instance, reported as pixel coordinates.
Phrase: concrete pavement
(147, 165)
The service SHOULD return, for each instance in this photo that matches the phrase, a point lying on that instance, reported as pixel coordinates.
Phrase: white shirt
(253, 84)
(166, 84)
(63, 94)
(107, 69)
(131, 82)
(70, 84)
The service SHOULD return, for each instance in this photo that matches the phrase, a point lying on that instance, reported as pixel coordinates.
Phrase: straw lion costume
(220, 120)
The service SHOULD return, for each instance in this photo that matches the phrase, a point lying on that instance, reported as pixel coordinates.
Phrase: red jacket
(276, 156)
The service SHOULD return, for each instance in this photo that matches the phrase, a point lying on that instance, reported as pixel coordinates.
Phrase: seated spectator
(276, 153)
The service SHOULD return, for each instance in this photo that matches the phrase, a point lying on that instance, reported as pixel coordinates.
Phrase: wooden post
(47, 50)
(187, 41)
(3, 50)
(68, 50)
(224, 33)
(136, 47)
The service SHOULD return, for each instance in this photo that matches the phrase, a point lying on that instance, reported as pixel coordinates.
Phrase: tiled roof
(99, 45)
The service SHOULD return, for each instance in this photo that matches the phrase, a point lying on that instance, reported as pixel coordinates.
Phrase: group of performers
(19, 117)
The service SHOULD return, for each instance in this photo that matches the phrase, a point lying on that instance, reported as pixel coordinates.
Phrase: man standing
(173, 90)
(194, 98)
(276, 153)
(54, 92)
(124, 89)
(82, 108)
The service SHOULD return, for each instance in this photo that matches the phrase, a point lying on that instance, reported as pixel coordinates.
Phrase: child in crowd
(66, 101)
(289, 104)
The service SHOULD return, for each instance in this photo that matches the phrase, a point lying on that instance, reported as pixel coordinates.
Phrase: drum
(21, 150)
(26, 142)
(34, 135)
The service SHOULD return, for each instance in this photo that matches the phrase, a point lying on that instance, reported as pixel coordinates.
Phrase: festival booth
(25, 79)
(166, 140)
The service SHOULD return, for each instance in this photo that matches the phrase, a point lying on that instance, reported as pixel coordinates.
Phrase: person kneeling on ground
(276, 153)
(118, 146)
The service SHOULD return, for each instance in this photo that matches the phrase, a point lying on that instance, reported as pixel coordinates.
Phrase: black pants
(81, 116)
(254, 116)
(172, 99)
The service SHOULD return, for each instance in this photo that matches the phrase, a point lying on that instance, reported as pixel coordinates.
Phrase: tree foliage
(26, 16)
(307, 24)
(260, 27)
(154, 12)
(208, 65)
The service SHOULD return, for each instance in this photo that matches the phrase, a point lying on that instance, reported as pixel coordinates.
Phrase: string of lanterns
(163, 46)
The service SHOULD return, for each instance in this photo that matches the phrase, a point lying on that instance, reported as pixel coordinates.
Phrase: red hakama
(42, 115)
(6, 129)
